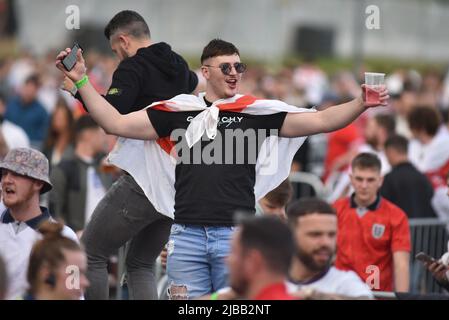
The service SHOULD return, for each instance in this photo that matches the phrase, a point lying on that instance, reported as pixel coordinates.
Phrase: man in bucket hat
(24, 177)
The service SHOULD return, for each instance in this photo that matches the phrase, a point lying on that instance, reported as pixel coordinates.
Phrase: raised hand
(383, 97)
(68, 85)
(439, 272)
(78, 71)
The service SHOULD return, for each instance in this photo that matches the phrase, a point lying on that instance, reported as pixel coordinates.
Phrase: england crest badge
(378, 230)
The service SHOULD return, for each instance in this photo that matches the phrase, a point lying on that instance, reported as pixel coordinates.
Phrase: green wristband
(214, 296)
(80, 83)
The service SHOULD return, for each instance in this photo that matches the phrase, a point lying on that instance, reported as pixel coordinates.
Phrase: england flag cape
(152, 165)
(432, 159)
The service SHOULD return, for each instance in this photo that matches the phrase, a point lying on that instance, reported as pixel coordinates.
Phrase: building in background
(263, 29)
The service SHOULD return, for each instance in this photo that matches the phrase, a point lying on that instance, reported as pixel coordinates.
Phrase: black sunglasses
(226, 67)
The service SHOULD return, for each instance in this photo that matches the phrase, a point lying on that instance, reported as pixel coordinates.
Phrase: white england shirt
(334, 281)
(16, 241)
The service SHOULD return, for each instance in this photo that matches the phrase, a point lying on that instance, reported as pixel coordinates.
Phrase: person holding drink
(203, 209)
(374, 84)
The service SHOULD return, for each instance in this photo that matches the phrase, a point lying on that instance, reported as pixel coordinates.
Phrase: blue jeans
(196, 258)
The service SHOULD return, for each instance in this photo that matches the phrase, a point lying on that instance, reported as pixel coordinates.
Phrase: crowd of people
(382, 165)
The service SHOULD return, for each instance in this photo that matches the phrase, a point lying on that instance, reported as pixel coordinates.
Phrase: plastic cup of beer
(374, 82)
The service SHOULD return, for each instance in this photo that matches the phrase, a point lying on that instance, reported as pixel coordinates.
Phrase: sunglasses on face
(226, 68)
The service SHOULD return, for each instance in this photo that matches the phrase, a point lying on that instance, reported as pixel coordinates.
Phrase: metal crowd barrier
(430, 236)
(309, 179)
(427, 235)
(382, 295)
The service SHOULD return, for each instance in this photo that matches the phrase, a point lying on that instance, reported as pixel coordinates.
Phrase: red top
(277, 291)
(366, 243)
(339, 142)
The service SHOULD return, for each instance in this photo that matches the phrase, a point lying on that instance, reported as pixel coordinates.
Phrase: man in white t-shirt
(312, 276)
(24, 177)
(314, 224)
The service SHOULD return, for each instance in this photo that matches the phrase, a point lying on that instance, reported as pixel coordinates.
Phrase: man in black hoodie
(147, 73)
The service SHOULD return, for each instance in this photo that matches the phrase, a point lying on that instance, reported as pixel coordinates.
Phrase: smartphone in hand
(70, 60)
(425, 258)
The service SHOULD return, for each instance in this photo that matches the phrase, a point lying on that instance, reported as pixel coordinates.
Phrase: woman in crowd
(59, 141)
(57, 266)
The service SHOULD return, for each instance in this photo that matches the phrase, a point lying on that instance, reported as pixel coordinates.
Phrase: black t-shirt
(211, 187)
(153, 74)
(410, 190)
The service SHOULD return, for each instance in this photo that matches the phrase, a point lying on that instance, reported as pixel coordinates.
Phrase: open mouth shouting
(8, 191)
(232, 83)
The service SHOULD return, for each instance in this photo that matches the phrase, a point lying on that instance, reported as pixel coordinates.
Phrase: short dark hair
(85, 122)
(129, 22)
(387, 122)
(366, 160)
(218, 47)
(34, 79)
(305, 206)
(272, 238)
(424, 118)
(398, 143)
(281, 195)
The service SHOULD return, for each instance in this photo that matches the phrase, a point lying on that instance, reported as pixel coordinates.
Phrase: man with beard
(261, 253)
(314, 225)
(312, 276)
(24, 177)
(147, 72)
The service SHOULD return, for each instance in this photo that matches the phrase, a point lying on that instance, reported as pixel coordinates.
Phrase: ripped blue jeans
(196, 258)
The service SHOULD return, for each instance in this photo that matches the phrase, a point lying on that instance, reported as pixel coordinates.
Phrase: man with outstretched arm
(204, 193)
(148, 72)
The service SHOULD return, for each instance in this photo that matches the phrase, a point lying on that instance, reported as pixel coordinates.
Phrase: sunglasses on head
(226, 68)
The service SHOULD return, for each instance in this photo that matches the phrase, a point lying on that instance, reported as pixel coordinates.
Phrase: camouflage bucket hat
(29, 163)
